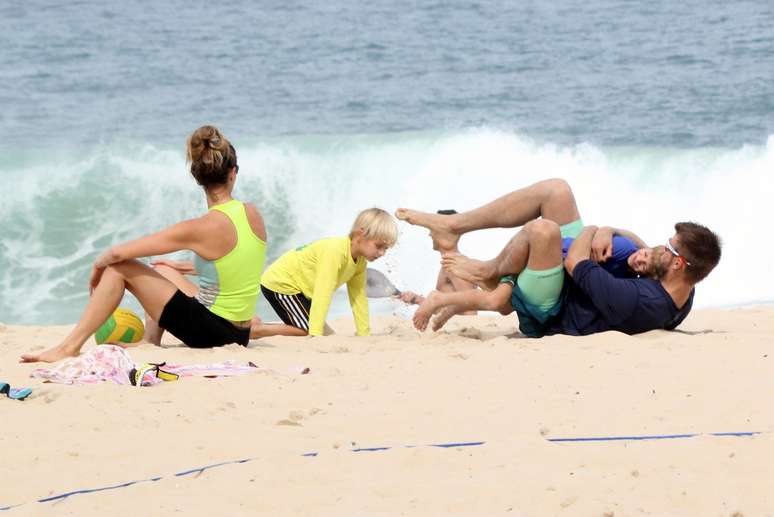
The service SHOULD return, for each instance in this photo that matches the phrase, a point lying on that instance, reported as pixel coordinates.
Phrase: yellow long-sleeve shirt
(317, 270)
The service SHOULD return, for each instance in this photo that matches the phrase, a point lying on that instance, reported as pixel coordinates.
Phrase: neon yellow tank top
(229, 286)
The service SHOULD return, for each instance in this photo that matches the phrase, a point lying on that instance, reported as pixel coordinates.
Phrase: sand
(473, 382)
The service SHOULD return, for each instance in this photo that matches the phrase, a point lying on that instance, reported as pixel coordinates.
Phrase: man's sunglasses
(674, 252)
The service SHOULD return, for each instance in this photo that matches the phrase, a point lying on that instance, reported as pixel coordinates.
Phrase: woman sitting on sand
(230, 246)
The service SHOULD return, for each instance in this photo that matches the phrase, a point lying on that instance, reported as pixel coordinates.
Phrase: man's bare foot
(442, 316)
(440, 231)
(426, 310)
(51, 355)
(477, 271)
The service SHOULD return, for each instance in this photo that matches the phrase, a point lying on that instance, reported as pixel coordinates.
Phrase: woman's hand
(96, 276)
(102, 261)
(106, 258)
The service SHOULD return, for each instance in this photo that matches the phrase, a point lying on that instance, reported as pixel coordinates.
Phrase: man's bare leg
(538, 246)
(550, 199)
(511, 260)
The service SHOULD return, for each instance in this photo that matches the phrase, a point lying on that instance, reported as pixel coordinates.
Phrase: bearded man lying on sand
(573, 294)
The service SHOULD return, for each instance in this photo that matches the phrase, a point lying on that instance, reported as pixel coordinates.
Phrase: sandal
(136, 374)
(14, 393)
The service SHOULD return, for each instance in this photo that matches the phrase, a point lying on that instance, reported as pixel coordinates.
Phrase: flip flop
(14, 393)
(136, 374)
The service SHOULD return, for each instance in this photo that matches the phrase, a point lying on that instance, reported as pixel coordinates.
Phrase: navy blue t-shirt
(617, 263)
(596, 301)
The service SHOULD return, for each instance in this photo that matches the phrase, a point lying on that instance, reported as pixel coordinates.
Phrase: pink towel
(113, 363)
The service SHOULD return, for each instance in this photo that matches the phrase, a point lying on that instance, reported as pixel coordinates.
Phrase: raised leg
(151, 289)
(538, 245)
(550, 199)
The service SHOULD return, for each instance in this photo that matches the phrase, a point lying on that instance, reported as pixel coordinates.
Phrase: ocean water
(655, 112)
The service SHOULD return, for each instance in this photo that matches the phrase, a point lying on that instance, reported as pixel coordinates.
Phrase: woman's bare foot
(254, 324)
(439, 227)
(426, 310)
(51, 355)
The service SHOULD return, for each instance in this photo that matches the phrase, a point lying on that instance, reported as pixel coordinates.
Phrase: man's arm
(629, 235)
(580, 249)
(602, 244)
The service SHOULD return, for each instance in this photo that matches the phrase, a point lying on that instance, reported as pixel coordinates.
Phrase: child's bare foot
(439, 227)
(477, 271)
(442, 317)
(425, 311)
(51, 355)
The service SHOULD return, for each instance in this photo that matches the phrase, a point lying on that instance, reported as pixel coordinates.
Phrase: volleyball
(123, 326)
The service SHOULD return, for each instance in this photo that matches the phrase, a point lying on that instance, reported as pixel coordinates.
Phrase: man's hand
(580, 249)
(602, 244)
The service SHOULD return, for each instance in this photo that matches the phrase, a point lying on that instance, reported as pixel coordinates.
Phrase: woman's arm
(184, 267)
(183, 235)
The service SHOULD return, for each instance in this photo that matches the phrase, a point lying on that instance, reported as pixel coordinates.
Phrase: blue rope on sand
(199, 470)
(202, 469)
(91, 490)
(648, 437)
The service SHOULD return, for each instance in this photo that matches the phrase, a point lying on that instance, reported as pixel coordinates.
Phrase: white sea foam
(67, 209)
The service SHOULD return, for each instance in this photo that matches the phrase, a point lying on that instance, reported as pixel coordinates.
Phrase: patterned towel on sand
(113, 363)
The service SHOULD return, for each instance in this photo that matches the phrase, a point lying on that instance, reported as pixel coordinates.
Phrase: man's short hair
(700, 246)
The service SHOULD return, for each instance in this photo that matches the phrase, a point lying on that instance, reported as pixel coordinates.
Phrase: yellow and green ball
(123, 326)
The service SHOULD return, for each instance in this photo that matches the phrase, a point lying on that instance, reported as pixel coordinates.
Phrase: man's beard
(658, 269)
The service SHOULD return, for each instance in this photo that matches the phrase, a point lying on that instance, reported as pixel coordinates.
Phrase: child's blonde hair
(376, 224)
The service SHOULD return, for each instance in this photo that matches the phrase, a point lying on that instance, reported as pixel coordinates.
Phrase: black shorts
(193, 324)
(293, 309)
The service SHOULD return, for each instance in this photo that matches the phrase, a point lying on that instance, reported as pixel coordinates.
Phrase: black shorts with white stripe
(293, 309)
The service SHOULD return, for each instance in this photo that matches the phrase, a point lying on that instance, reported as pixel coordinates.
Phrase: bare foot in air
(438, 225)
(477, 271)
(425, 311)
(51, 355)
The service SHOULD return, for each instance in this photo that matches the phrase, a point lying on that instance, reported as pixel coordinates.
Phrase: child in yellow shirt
(300, 284)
